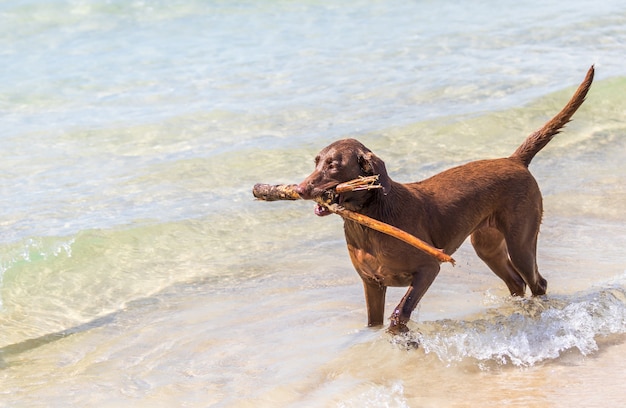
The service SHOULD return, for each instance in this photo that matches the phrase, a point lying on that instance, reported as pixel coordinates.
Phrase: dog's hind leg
(520, 234)
(490, 246)
(523, 253)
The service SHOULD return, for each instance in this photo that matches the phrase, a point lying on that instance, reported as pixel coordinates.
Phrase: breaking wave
(525, 332)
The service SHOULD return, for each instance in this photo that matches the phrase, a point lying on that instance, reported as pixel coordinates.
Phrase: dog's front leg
(420, 284)
(375, 302)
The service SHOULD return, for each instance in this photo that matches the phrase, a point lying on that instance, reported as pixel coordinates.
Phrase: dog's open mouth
(323, 201)
(321, 210)
(335, 195)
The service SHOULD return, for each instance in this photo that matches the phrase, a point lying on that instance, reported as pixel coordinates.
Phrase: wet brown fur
(496, 202)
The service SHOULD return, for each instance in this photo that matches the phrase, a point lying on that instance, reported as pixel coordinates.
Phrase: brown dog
(497, 202)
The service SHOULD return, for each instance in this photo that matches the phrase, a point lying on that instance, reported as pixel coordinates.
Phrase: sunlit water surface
(137, 270)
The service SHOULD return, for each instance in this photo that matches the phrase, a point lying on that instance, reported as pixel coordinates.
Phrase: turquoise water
(137, 270)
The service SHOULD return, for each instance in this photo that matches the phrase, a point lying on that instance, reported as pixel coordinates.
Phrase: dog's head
(342, 161)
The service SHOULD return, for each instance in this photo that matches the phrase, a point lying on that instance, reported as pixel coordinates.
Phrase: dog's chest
(385, 271)
(381, 258)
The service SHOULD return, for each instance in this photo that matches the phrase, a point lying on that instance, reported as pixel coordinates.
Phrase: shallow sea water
(137, 270)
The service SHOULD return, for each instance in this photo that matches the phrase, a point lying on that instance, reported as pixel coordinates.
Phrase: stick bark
(393, 231)
(267, 192)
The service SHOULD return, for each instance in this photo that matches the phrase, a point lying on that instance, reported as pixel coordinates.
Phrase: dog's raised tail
(537, 140)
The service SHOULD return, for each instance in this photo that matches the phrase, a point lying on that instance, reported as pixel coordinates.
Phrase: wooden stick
(359, 184)
(392, 231)
(269, 192)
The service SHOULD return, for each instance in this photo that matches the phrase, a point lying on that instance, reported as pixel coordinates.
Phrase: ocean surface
(137, 270)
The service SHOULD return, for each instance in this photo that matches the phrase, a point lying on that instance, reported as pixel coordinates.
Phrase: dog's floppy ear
(371, 165)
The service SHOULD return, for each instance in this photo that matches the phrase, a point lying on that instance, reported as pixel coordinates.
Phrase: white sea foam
(528, 331)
